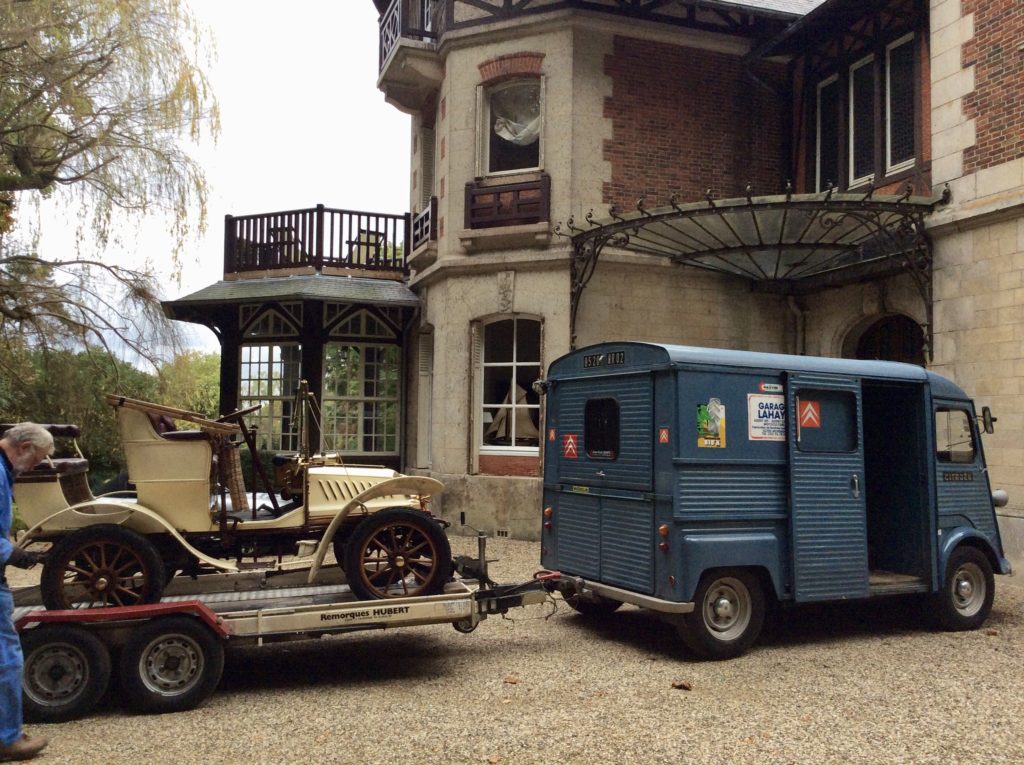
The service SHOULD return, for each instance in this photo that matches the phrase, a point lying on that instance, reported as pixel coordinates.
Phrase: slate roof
(339, 289)
(793, 7)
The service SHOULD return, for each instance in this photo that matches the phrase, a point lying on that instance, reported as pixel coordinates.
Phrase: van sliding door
(828, 521)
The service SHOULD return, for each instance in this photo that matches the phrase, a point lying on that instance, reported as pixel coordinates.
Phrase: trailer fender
(950, 539)
(105, 511)
(701, 552)
(406, 484)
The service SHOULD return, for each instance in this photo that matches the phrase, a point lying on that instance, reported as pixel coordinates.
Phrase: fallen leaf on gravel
(682, 685)
(511, 680)
(992, 633)
(494, 759)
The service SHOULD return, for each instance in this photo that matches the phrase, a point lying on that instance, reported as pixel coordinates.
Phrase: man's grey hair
(30, 433)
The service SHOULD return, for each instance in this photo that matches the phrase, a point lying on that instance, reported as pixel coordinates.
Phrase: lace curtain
(515, 113)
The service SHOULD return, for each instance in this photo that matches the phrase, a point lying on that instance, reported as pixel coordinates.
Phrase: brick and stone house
(839, 178)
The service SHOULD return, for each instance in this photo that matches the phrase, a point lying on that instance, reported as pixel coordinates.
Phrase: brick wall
(686, 120)
(997, 103)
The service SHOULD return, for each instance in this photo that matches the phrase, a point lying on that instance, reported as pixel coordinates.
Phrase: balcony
(514, 213)
(314, 240)
(410, 69)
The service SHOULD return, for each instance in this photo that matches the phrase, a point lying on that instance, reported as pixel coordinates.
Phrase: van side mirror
(987, 420)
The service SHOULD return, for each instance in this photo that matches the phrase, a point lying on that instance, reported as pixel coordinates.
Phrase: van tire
(728, 614)
(968, 587)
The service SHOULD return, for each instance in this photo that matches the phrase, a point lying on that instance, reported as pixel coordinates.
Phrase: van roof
(685, 355)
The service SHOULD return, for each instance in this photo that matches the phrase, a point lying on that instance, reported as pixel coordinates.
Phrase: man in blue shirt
(22, 447)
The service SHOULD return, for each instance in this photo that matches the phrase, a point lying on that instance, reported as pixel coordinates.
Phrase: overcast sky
(302, 123)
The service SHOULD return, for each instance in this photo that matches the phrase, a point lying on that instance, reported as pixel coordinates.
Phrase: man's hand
(21, 558)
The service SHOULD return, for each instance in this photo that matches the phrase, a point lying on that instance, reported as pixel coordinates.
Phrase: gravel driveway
(857, 684)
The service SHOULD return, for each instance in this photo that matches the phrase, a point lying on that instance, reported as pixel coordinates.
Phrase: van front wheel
(965, 600)
(727, 617)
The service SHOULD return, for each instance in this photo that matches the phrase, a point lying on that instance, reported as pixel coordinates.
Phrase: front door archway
(892, 338)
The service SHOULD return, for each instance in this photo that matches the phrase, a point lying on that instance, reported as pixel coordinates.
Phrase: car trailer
(171, 653)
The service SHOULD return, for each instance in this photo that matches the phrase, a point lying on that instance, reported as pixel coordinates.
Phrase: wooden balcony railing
(508, 204)
(413, 19)
(424, 226)
(317, 237)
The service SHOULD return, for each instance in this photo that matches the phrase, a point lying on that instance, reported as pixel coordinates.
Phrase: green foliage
(69, 387)
(192, 381)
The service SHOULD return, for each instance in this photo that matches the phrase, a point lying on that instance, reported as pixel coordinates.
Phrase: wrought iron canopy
(790, 244)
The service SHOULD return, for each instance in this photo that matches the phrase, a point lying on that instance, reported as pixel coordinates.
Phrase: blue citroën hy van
(700, 483)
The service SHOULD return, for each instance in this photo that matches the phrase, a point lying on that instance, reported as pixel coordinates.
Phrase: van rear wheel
(727, 617)
(965, 600)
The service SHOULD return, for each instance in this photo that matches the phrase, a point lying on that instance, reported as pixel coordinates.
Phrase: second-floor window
(866, 113)
(511, 126)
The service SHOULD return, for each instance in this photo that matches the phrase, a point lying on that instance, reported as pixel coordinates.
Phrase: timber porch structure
(315, 294)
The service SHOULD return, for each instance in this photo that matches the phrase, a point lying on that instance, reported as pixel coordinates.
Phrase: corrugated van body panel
(828, 522)
(731, 492)
(828, 547)
(970, 500)
(627, 544)
(578, 525)
(631, 468)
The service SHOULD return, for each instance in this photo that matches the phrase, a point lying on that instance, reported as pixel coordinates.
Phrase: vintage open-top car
(189, 511)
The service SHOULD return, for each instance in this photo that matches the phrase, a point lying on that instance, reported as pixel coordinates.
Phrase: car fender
(406, 484)
(106, 511)
(953, 538)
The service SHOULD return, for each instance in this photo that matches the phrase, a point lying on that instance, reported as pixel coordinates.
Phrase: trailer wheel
(397, 553)
(66, 671)
(727, 617)
(102, 565)
(596, 608)
(965, 600)
(171, 664)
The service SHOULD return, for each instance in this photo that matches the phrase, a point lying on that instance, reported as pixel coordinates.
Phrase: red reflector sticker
(570, 446)
(663, 435)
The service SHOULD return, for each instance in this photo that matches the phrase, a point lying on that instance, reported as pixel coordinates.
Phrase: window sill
(523, 235)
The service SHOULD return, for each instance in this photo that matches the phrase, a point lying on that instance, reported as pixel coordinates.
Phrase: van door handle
(855, 485)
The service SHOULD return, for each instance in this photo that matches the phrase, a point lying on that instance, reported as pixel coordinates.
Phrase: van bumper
(575, 585)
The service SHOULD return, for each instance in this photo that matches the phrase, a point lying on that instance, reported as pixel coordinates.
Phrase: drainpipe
(800, 313)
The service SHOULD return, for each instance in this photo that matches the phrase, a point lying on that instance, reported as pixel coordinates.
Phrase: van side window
(954, 441)
(826, 421)
(601, 428)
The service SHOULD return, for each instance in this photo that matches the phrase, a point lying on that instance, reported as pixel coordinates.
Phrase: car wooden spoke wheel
(397, 553)
(102, 565)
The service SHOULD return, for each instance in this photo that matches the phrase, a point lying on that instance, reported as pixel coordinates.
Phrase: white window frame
(907, 163)
(483, 110)
(850, 125)
(818, 180)
(266, 437)
(362, 400)
(479, 405)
